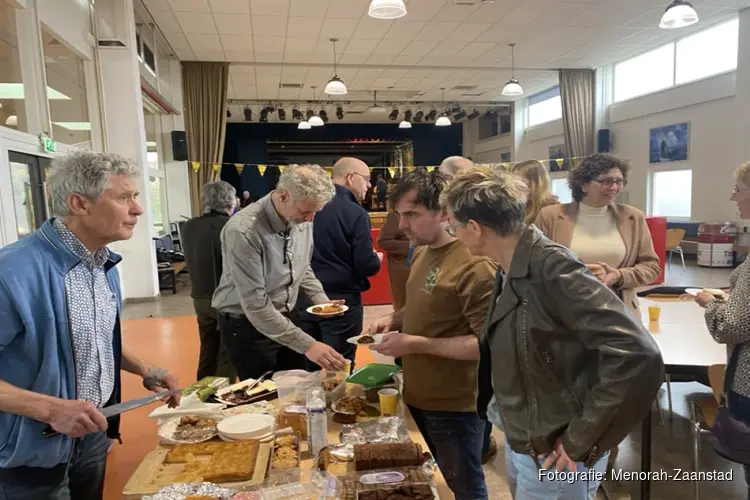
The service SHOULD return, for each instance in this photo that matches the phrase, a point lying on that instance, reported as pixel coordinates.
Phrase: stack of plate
(247, 427)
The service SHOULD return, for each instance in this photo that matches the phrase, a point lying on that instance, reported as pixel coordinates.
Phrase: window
(157, 213)
(561, 190)
(488, 125)
(671, 193)
(12, 104)
(707, 53)
(645, 73)
(545, 107)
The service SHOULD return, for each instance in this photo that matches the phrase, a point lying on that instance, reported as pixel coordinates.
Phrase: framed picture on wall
(669, 143)
(558, 158)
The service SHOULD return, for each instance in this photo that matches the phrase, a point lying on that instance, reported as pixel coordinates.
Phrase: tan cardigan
(641, 264)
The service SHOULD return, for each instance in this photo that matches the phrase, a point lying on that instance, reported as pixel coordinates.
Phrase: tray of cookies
(287, 453)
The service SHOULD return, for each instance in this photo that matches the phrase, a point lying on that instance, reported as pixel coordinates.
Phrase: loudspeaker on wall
(179, 145)
(603, 141)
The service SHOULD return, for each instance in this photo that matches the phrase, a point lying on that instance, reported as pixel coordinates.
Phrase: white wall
(69, 21)
(176, 174)
(487, 150)
(708, 106)
(536, 141)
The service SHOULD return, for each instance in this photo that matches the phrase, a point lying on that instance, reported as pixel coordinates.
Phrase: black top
(343, 257)
(201, 243)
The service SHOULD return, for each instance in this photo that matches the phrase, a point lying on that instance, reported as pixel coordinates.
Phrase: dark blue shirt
(343, 256)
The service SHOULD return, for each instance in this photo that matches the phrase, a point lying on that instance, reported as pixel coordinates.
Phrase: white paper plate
(378, 337)
(327, 315)
(267, 438)
(167, 430)
(695, 291)
(246, 426)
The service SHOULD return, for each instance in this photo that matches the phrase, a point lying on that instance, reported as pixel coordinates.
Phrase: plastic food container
(292, 385)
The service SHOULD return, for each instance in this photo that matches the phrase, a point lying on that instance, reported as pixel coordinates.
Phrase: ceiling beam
(386, 66)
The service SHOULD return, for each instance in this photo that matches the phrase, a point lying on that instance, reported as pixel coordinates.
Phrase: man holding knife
(61, 351)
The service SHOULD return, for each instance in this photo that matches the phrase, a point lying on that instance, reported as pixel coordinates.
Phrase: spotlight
(430, 117)
(270, 109)
(248, 114)
(460, 115)
(474, 114)
(263, 116)
(407, 115)
(393, 115)
(339, 112)
(323, 115)
(296, 115)
(418, 116)
(282, 114)
(310, 114)
(229, 114)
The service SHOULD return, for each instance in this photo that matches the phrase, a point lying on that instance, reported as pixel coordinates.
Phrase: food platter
(188, 430)
(237, 394)
(366, 340)
(327, 310)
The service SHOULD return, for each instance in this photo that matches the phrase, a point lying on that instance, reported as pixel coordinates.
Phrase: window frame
(540, 97)
(650, 195)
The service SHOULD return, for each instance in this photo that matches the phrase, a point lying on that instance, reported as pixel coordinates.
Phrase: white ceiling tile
(301, 45)
(347, 9)
(476, 49)
(289, 94)
(424, 10)
(230, 6)
(245, 92)
(209, 55)
(233, 24)
(384, 83)
(205, 43)
(241, 43)
(184, 54)
(559, 13)
(404, 30)
(374, 29)
(293, 72)
(275, 57)
(166, 21)
(353, 58)
(447, 48)
(190, 5)
(528, 11)
(493, 13)
(297, 57)
(361, 46)
(419, 48)
(240, 55)
(269, 26)
(269, 7)
(394, 73)
(241, 70)
(468, 32)
(407, 60)
(337, 28)
(407, 83)
(308, 8)
(381, 59)
(391, 47)
(158, 6)
(436, 31)
(302, 27)
(418, 73)
(178, 41)
(196, 22)
(438, 60)
(269, 43)
(453, 12)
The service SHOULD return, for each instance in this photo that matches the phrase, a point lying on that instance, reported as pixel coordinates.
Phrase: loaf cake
(386, 455)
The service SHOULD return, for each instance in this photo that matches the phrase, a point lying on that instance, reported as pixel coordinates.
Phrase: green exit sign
(50, 146)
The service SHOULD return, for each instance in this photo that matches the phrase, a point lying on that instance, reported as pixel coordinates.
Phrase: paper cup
(654, 312)
(388, 402)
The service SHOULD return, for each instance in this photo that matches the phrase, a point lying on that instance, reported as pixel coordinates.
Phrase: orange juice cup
(654, 311)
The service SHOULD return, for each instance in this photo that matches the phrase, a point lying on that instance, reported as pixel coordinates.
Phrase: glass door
(30, 197)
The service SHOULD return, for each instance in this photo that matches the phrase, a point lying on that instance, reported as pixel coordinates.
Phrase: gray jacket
(266, 264)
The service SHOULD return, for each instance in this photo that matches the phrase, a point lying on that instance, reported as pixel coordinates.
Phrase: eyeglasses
(609, 182)
(736, 190)
(365, 177)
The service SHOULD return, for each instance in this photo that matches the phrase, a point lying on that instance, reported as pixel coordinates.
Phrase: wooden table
(684, 341)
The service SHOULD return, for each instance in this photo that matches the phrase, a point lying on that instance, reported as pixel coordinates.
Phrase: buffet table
(137, 485)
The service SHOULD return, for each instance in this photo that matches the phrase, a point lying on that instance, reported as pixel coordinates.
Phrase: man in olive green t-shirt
(447, 298)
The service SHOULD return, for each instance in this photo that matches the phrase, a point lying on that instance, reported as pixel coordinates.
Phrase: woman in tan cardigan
(612, 239)
(534, 175)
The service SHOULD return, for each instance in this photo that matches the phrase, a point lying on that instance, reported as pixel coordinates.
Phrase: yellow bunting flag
(281, 168)
(430, 169)
(240, 167)
(409, 169)
(560, 162)
(196, 165)
(262, 169)
(392, 171)
(216, 166)
(329, 171)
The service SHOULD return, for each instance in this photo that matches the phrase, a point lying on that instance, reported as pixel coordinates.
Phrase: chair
(703, 414)
(674, 238)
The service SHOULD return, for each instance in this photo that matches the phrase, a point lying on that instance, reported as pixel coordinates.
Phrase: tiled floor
(165, 331)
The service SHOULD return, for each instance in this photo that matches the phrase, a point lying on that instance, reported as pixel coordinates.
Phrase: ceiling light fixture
(443, 120)
(387, 9)
(12, 121)
(512, 88)
(335, 86)
(314, 120)
(303, 126)
(678, 15)
(404, 124)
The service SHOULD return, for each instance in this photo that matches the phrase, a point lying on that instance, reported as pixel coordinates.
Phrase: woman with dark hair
(611, 238)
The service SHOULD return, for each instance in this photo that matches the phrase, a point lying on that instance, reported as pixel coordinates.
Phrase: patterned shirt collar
(98, 258)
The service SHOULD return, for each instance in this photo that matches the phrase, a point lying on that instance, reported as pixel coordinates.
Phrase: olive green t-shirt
(447, 295)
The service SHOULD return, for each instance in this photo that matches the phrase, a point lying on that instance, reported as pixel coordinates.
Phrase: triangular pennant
(430, 169)
(560, 162)
(262, 169)
(329, 171)
(216, 167)
(196, 165)
(281, 168)
(409, 169)
(240, 167)
(392, 171)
